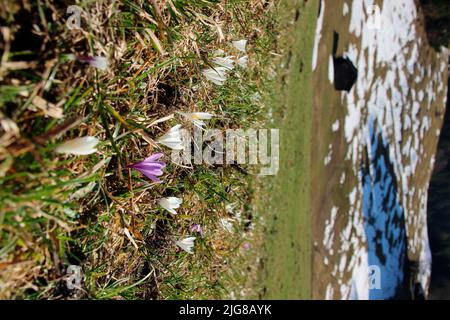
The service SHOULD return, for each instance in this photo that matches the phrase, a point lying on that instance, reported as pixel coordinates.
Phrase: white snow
(318, 34)
(394, 101)
(345, 9)
(330, 69)
(335, 126)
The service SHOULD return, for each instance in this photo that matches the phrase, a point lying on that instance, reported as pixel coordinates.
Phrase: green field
(286, 204)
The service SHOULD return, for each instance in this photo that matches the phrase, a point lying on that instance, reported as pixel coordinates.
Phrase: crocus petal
(198, 228)
(100, 63)
(219, 52)
(240, 45)
(216, 75)
(196, 117)
(79, 146)
(151, 169)
(170, 204)
(202, 115)
(172, 139)
(243, 62)
(172, 144)
(151, 172)
(186, 244)
(198, 123)
(212, 74)
(226, 62)
(218, 82)
(153, 178)
(218, 72)
(148, 166)
(153, 157)
(175, 201)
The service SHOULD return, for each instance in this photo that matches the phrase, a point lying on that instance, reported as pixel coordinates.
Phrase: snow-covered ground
(389, 114)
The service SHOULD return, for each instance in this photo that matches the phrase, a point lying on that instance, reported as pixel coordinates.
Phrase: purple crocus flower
(150, 167)
(197, 228)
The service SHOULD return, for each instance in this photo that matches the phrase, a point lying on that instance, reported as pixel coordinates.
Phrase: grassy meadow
(130, 72)
(287, 264)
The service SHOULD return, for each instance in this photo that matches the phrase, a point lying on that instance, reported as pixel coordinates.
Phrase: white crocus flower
(226, 225)
(186, 244)
(79, 146)
(197, 117)
(240, 45)
(226, 62)
(172, 139)
(242, 62)
(170, 204)
(100, 63)
(217, 75)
